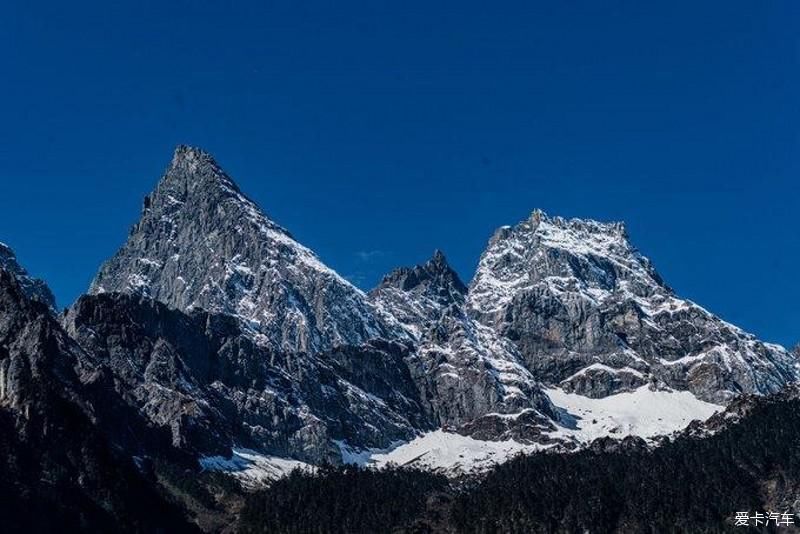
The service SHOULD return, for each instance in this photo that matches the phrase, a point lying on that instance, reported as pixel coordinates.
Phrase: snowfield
(642, 413)
(451, 453)
(253, 469)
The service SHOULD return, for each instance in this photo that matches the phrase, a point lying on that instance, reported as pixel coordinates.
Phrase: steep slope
(590, 314)
(59, 471)
(200, 243)
(206, 382)
(472, 379)
(34, 288)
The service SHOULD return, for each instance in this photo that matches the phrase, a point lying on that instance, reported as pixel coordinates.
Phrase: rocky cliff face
(67, 445)
(204, 379)
(34, 288)
(470, 378)
(200, 243)
(589, 313)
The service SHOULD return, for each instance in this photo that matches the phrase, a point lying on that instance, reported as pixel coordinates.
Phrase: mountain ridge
(591, 314)
(33, 287)
(292, 360)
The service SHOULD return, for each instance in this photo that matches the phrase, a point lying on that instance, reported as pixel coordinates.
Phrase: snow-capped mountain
(590, 314)
(34, 288)
(223, 329)
(200, 243)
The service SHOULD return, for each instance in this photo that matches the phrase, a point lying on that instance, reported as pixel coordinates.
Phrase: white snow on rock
(202, 244)
(253, 469)
(451, 453)
(576, 293)
(644, 413)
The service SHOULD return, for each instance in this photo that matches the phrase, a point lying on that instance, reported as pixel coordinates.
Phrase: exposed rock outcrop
(588, 312)
(200, 243)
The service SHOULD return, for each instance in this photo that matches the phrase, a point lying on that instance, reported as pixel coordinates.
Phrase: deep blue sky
(376, 134)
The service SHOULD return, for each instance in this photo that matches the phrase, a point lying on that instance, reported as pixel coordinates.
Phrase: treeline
(342, 499)
(691, 485)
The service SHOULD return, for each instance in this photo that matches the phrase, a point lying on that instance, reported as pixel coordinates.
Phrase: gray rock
(67, 439)
(590, 313)
(34, 288)
(463, 369)
(200, 243)
(218, 326)
(211, 386)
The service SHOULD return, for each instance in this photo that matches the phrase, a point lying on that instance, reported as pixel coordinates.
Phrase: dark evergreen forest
(691, 484)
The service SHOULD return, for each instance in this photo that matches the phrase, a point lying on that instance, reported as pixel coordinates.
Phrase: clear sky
(377, 134)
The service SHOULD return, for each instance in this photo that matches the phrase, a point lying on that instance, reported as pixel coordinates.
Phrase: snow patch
(253, 469)
(452, 453)
(643, 412)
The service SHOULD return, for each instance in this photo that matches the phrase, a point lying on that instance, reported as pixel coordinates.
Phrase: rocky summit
(33, 287)
(590, 314)
(200, 243)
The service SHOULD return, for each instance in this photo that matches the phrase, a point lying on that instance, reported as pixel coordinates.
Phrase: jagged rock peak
(589, 313)
(464, 370)
(438, 258)
(201, 243)
(538, 216)
(574, 235)
(191, 174)
(598, 255)
(436, 271)
(195, 167)
(34, 288)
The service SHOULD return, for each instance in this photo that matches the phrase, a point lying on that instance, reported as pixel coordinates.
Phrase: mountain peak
(627, 327)
(201, 243)
(434, 272)
(192, 158)
(539, 218)
(188, 153)
(193, 170)
(438, 259)
(34, 288)
(596, 255)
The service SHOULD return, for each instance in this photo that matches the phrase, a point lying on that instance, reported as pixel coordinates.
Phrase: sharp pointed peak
(436, 268)
(195, 160)
(193, 169)
(191, 153)
(186, 157)
(438, 259)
